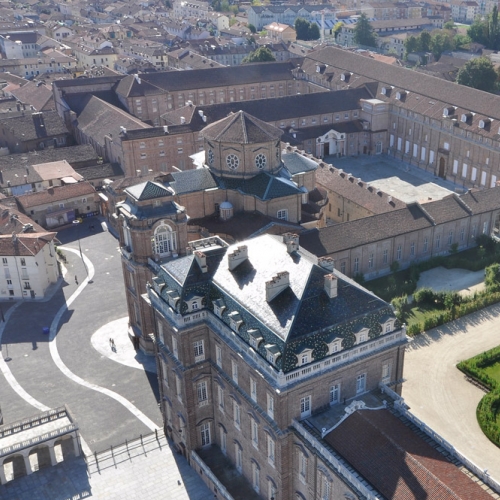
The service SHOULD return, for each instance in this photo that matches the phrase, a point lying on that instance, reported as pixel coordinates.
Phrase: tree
(363, 32)
(425, 41)
(411, 44)
(252, 28)
(306, 30)
(301, 28)
(493, 30)
(449, 25)
(478, 31)
(440, 42)
(479, 74)
(314, 33)
(262, 54)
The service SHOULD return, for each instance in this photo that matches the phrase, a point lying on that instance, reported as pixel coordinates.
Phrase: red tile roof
(56, 194)
(25, 245)
(398, 463)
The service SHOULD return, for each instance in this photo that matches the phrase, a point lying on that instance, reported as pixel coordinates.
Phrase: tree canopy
(486, 31)
(436, 42)
(262, 54)
(478, 73)
(363, 32)
(306, 30)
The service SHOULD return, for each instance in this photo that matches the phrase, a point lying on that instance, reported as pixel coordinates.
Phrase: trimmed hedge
(487, 411)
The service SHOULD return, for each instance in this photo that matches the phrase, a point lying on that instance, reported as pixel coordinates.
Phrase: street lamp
(77, 222)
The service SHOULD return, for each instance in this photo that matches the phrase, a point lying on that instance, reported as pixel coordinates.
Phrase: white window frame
(253, 389)
(218, 356)
(234, 371)
(361, 383)
(305, 406)
(271, 450)
(334, 394)
(270, 405)
(202, 391)
(199, 350)
(205, 434)
(282, 214)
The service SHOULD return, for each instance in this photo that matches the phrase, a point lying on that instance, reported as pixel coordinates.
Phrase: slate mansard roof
(300, 317)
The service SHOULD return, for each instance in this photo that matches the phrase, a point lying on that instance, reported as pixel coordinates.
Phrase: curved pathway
(437, 391)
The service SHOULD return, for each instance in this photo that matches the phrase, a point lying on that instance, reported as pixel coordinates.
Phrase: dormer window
(335, 345)
(449, 111)
(173, 298)
(485, 123)
(401, 95)
(387, 324)
(255, 338)
(219, 307)
(304, 357)
(273, 353)
(466, 118)
(235, 320)
(361, 334)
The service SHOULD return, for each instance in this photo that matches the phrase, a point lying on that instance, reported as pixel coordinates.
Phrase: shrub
(423, 296)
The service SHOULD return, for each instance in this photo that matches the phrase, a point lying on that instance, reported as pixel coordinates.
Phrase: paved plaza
(401, 180)
(111, 390)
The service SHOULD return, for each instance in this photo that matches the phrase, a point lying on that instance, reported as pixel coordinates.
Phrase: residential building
(58, 206)
(28, 257)
(19, 44)
(33, 131)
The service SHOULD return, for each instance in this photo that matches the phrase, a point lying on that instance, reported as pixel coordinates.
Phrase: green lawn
(493, 371)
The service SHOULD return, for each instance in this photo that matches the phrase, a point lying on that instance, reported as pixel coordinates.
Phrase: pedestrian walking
(76, 279)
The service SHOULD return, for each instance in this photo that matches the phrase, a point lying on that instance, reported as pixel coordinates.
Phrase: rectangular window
(450, 237)
(426, 245)
(178, 387)
(474, 229)
(254, 429)
(270, 406)
(422, 153)
(342, 267)
(282, 214)
(334, 394)
(205, 434)
(407, 147)
(415, 150)
(4, 261)
(199, 351)
(238, 457)
(483, 178)
(236, 414)
(356, 264)
(253, 389)
(370, 261)
(464, 170)
(462, 235)
(485, 227)
(474, 174)
(142, 145)
(399, 252)
(218, 356)
(305, 406)
(271, 448)
(174, 347)
(386, 373)
(361, 383)
(385, 256)
(438, 242)
(400, 141)
(255, 477)
(202, 394)
(220, 397)
(412, 249)
(23, 262)
(234, 371)
(302, 467)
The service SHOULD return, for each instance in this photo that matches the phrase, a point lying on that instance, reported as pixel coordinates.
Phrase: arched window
(164, 241)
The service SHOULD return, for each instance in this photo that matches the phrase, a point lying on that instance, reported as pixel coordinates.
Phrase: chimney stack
(237, 256)
(292, 242)
(327, 263)
(277, 284)
(331, 283)
(201, 259)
